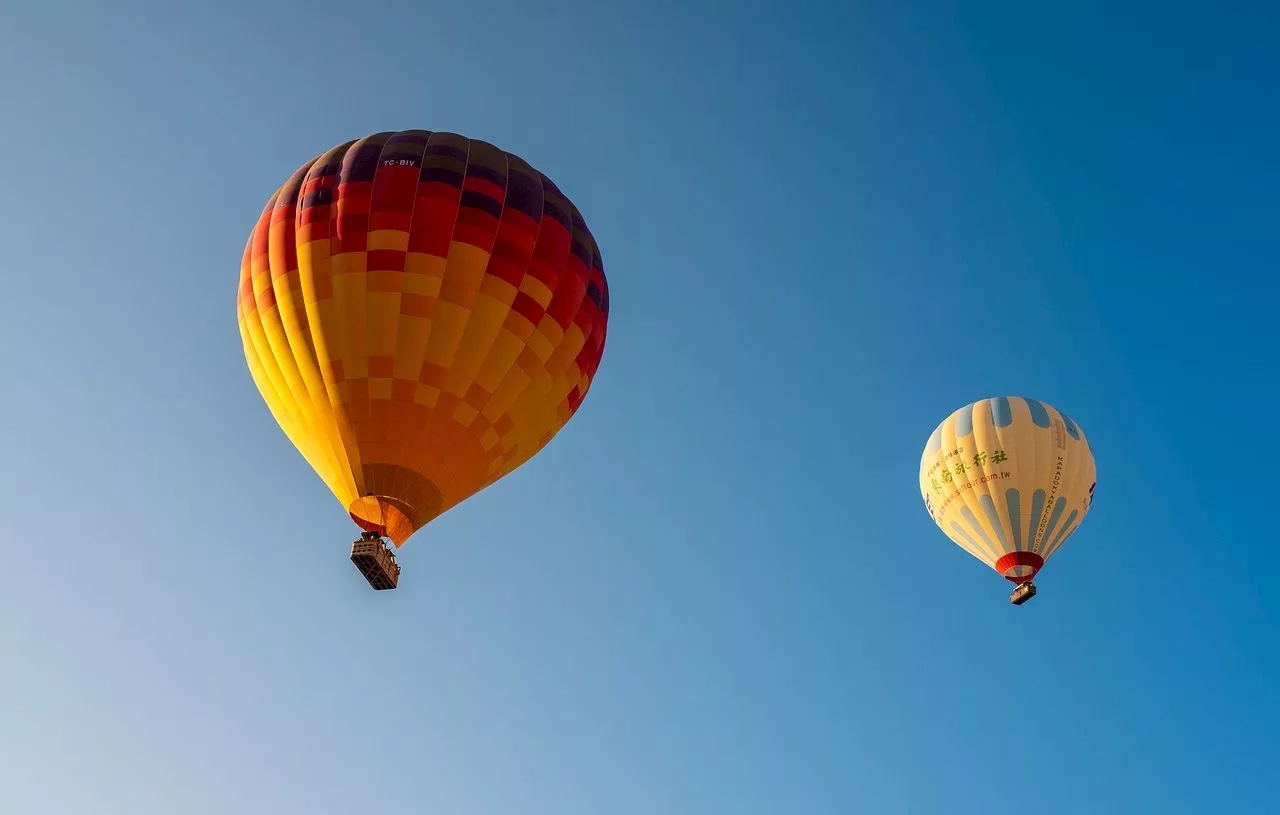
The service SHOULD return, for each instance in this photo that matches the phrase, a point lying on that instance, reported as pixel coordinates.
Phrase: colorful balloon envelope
(422, 313)
(1009, 480)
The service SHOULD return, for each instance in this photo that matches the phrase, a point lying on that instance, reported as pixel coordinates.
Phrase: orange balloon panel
(422, 313)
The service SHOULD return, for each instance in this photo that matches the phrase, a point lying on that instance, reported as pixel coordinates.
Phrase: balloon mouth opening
(383, 516)
(1019, 567)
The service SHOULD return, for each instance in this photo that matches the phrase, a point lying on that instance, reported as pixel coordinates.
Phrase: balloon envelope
(1009, 480)
(422, 313)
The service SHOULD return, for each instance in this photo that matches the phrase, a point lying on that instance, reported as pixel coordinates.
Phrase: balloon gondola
(422, 313)
(1009, 480)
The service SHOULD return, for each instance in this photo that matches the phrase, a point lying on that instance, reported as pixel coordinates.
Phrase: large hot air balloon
(1008, 479)
(422, 313)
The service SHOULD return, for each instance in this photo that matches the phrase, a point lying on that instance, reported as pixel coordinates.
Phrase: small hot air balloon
(422, 313)
(1009, 480)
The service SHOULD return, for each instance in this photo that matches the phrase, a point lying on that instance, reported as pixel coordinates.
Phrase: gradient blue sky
(718, 590)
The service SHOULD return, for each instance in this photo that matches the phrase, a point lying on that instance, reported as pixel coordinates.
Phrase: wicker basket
(376, 562)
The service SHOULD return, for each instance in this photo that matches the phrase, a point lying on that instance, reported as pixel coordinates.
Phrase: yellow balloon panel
(1009, 480)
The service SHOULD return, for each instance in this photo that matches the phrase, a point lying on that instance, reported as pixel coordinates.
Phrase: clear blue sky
(824, 229)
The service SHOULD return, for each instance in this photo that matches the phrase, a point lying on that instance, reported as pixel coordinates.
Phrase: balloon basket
(1023, 593)
(375, 560)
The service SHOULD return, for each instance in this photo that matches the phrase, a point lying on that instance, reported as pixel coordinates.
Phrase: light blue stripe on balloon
(977, 528)
(1001, 411)
(1067, 527)
(964, 422)
(1038, 413)
(1058, 506)
(1013, 500)
(985, 407)
(935, 443)
(960, 531)
(1071, 426)
(989, 507)
(1037, 509)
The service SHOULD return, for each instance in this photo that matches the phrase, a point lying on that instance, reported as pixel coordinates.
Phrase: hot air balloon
(422, 313)
(1009, 480)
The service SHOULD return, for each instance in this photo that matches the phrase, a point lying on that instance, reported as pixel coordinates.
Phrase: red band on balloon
(1030, 559)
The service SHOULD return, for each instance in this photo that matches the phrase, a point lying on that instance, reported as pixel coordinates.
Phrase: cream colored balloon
(1009, 480)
